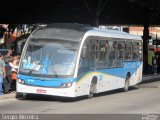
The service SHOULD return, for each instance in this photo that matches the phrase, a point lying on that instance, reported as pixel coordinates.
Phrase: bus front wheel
(21, 95)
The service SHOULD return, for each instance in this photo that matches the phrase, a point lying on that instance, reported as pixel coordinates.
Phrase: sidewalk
(150, 76)
(7, 96)
(144, 78)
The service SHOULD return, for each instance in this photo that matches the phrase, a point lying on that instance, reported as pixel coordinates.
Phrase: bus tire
(92, 89)
(21, 96)
(126, 85)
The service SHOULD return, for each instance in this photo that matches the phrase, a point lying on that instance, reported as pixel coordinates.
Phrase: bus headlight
(66, 85)
(21, 81)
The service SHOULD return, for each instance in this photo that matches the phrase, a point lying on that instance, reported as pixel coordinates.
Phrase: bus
(71, 60)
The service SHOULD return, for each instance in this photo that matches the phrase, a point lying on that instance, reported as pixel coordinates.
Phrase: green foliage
(150, 54)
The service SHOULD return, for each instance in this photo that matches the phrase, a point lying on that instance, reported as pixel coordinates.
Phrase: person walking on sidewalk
(2, 73)
(154, 64)
(7, 80)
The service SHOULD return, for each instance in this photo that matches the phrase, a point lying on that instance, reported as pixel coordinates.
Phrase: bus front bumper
(64, 92)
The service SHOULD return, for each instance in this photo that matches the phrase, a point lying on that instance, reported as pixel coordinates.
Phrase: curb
(7, 96)
(148, 77)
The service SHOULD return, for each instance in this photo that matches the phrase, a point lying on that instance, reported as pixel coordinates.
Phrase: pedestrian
(154, 64)
(15, 66)
(8, 55)
(7, 80)
(2, 73)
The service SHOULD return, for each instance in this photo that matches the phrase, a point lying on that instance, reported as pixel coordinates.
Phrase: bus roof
(75, 32)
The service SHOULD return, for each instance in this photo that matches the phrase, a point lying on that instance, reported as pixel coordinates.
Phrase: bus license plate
(41, 91)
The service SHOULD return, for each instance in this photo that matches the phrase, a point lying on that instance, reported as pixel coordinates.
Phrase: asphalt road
(142, 99)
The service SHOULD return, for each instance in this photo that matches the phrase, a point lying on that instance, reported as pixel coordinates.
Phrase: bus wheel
(21, 96)
(126, 85)
(92, 89)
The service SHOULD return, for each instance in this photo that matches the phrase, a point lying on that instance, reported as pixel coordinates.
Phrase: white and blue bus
(73, 60)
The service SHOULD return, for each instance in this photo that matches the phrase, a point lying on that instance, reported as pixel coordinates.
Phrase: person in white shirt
(14, 68)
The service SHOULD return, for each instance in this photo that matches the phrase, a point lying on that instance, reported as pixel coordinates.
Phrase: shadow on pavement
(51, 98)
(117, 91)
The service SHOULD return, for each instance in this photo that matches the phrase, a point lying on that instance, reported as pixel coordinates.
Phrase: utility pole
(145, 47)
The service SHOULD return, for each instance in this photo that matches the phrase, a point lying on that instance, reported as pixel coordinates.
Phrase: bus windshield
(49, 58)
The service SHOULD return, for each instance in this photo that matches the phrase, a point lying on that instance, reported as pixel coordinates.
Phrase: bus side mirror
(83, 55)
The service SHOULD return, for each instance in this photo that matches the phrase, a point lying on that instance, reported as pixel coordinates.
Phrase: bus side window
(120, 54)
(112, 54)
(135, 52)
(140, 51)
(128, 52)
(103, 54)
(94, 50)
